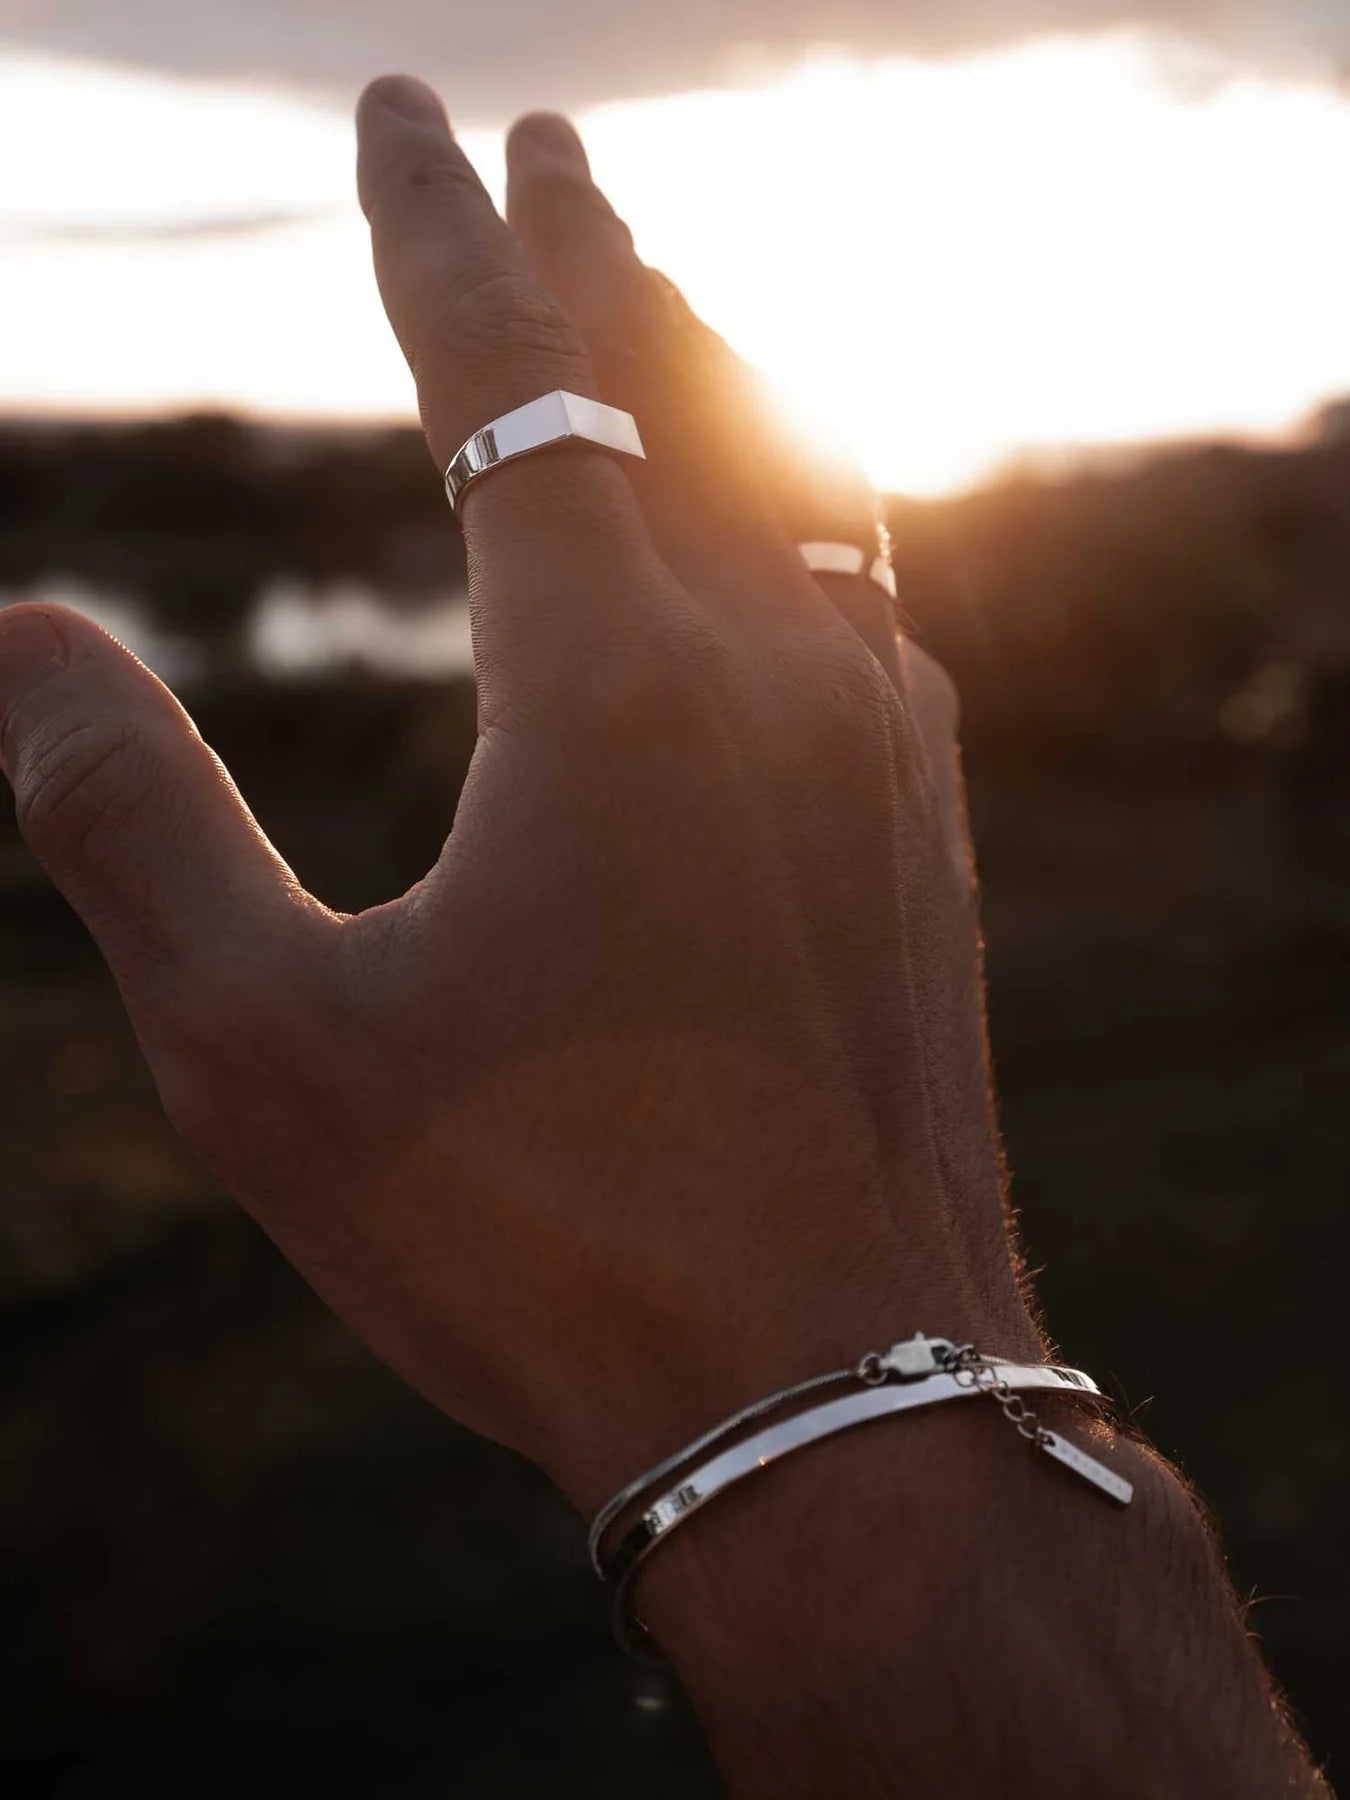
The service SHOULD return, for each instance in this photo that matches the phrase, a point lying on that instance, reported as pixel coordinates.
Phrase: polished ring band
(849, 559)
(557, 418)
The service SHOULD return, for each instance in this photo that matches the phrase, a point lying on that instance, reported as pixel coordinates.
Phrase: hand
(667, 1085)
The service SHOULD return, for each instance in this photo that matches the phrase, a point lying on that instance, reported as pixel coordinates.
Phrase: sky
(510, 54)
(956, 235)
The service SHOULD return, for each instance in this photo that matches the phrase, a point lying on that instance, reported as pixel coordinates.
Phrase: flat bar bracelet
(914, 1357)
(557, 418)
(926, 1372)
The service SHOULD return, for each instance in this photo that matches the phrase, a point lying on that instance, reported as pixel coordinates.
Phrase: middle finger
(702, 487)
(724, 466)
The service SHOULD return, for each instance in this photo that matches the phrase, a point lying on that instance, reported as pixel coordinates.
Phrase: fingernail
(552, 132)
(31, 649)
(408, 99)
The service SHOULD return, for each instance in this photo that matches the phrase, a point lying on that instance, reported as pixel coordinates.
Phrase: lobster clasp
(918, 1356)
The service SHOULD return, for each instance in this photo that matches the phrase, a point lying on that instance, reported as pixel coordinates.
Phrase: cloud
(109, 231)
(496, 57)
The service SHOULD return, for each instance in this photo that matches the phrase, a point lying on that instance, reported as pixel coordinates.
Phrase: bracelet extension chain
(920, 1371)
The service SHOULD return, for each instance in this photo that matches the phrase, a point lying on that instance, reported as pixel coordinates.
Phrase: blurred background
(1073, 279)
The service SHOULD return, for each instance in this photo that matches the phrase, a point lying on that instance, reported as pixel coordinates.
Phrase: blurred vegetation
(236, 1547)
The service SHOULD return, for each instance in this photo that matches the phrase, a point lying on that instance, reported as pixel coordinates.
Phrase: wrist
(897, 1516)
(923, 1604)
(609, 1448)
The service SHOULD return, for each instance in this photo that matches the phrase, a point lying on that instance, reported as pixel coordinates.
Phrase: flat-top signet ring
(556, 418)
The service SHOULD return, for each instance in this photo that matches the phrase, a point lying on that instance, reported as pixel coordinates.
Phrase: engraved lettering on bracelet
(670, 1507)
(1114, 1486)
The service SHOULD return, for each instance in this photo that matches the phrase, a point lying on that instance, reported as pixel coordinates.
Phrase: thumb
(125, 807)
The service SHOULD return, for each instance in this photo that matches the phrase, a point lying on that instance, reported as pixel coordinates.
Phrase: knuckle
(428, 171)
(840, 712)
(504, 311)
(427, 184)
(560, 200)
(554, 183)
(81, 785)
(850, 683)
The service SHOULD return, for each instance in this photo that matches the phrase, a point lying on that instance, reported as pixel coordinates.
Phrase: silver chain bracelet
(920, 1371)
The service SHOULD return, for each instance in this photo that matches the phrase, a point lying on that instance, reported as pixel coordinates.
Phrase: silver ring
(555, 418)
(849, 559)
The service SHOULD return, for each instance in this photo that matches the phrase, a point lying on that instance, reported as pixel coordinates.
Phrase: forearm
(925, 1607)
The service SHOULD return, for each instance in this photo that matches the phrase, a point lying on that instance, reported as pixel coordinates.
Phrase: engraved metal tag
(1114, 1486)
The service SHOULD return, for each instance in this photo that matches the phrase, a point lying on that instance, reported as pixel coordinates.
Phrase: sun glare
(1081, 241)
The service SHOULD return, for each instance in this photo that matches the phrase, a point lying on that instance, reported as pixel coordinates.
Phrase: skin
(667, 1086)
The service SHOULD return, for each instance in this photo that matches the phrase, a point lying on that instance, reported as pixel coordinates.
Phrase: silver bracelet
(919, 1372)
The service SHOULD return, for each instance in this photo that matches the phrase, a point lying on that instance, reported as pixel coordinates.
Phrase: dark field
(240, 1558)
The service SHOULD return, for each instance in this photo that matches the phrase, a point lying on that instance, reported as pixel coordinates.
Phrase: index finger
(482, 337)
